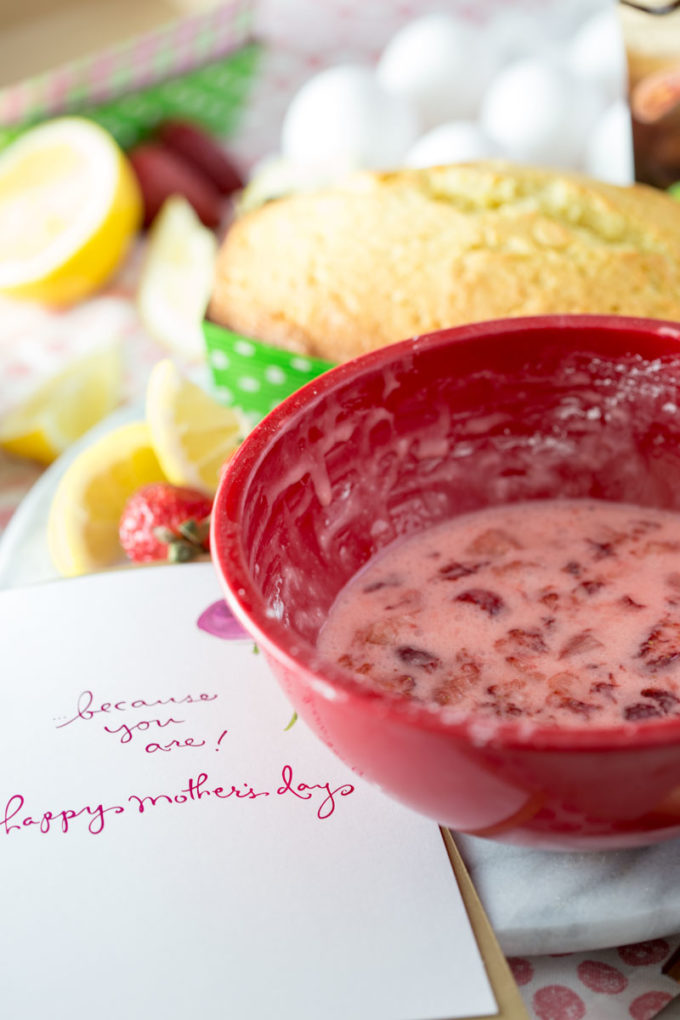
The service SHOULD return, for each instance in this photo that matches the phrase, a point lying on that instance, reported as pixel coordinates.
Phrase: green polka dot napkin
(252, 375)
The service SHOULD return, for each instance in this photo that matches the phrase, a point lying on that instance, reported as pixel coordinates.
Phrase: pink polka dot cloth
(36, 343)
(627, 982)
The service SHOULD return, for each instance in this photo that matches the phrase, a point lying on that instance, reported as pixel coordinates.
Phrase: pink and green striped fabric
(198, 67)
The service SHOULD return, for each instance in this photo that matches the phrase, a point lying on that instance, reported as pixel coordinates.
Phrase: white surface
(538, 902)
(263, 869)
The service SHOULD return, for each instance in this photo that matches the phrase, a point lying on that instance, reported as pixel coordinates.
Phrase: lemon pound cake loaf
(387, 256)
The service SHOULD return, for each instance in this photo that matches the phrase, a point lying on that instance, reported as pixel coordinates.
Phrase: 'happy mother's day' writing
(94, 817)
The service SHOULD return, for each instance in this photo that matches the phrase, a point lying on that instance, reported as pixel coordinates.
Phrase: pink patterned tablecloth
(300, 37)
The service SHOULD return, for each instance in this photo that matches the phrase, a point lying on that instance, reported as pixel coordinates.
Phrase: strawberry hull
(165, 522)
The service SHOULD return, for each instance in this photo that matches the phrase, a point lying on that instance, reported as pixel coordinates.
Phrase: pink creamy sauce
(556, 611)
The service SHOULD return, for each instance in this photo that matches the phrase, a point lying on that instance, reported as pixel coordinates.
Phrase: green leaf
(293, 720)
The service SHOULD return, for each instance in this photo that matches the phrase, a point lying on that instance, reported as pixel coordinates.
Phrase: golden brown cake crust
(388, 256)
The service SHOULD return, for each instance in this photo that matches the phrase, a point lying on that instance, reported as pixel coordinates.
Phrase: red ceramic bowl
(387, 444)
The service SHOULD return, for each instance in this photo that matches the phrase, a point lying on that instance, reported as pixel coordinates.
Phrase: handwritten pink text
(16, 818)
(86, 712)
(126, 730)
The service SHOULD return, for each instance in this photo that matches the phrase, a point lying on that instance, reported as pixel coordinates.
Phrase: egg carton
(543, 85)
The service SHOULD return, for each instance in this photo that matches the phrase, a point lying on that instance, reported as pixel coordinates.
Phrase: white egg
(538, 112)
(343, 116)
(454, 142)
(597, 53)
(514, 34)
(609, 151)
(441, 64)
(561, 20)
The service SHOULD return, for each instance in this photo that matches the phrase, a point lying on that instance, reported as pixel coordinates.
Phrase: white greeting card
(174, 843)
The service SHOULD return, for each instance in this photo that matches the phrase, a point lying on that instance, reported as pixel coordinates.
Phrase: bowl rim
(300, 656)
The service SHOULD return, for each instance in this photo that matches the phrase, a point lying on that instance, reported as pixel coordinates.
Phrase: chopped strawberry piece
(661, 648)
(419, 658)
(604, 688)
(579, 643)
(390, 582)
(530, 640)
(666, 700)
(493, 542)
(634, 713)
(590, 587)
(454, 571)
(487, 601)
(574, 705)
(386, 632)
(629, 603)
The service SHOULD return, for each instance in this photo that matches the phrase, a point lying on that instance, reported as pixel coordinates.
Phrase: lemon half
(69, 208)
(87, 505)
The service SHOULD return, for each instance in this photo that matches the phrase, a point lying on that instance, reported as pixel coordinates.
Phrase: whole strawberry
(165, 522)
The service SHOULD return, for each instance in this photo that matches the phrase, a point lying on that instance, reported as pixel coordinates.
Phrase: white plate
(24, 555)
(538, 901)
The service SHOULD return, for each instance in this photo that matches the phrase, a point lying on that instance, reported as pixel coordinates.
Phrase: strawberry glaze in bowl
(413, 434)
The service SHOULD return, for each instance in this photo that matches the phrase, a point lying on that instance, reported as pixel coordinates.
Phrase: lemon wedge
(192, 434)
(69, 208)
(85, 511)
(64, 407)
(177, 279)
